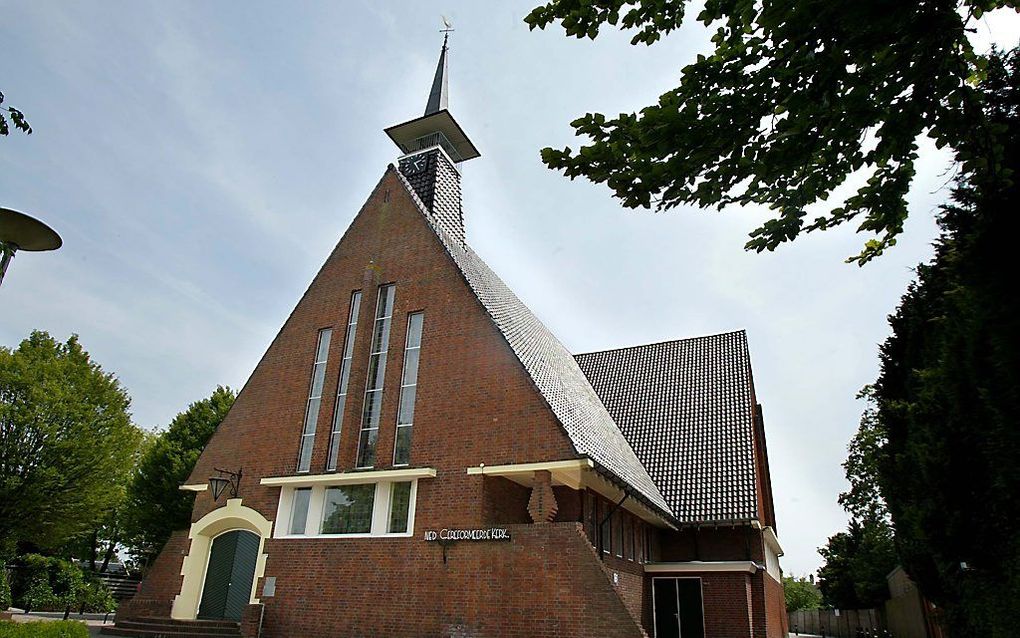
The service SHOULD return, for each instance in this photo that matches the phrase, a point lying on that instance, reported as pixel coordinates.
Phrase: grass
(49, 629)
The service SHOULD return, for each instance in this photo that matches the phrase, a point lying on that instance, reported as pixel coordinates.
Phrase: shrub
(5, 588)
(96, 597)
(32, 589)
(52, 584)
(57, 629)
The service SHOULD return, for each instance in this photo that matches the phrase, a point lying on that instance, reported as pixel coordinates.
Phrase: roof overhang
(772, 540)
(576, 474)
(403, 135)
(697, 566)
(350, 478)
(569, 472)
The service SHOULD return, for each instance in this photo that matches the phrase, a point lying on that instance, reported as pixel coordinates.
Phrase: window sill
(342, 536)
(352, 477)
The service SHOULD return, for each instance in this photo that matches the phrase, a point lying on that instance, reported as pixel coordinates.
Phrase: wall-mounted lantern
(225, 479)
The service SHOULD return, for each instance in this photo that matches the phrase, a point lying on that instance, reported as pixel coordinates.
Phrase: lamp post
(19, 231)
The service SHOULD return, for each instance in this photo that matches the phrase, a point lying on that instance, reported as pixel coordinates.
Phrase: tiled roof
(552, 368)
(686, 408)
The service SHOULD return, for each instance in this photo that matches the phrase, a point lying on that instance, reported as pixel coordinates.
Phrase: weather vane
(447, 27)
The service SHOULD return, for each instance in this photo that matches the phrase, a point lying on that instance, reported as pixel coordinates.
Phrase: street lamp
(19, 231)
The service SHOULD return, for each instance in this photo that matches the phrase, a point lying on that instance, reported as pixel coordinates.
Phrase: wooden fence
(836, 623)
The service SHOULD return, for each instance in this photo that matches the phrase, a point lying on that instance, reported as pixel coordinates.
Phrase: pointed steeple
(433, 146)
(439, 95)
(437, 127)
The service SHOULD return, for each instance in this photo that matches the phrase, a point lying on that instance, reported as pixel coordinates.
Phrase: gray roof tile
(552, 368)
(687, 409)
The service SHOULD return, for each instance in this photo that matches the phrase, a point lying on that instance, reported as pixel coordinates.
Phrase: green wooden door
(228, 578)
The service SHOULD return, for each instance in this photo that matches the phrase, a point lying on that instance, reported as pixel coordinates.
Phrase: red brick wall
(251, 621)
(711, 543)
(475, 403)
(546, 581)
(631, 585)
(726, 602)
(776, 621)
(162, 581)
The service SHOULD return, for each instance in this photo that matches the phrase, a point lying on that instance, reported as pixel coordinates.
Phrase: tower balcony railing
(431, 140)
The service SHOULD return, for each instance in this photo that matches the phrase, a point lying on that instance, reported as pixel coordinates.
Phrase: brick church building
(417, 455)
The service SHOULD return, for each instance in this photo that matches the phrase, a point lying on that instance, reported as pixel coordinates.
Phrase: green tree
(856, 564)
(66, 439)
(98, 546)
(795, 98)
(941, 440)
(801, 593)
(17, 119)
(156, 506)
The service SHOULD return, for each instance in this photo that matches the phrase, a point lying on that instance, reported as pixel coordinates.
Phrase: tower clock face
(416, 164)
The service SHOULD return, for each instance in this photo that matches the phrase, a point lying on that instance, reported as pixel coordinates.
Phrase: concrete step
(188, 623)
(150, 625)
(169, 628)
(164, 632)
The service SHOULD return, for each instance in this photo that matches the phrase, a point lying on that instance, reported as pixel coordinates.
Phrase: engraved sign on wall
(486, 534)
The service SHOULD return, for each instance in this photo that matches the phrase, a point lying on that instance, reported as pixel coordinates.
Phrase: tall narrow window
(314, 398)
(606, 528)
(299, 510)
(376, 375)
(408, 389)
(345, 376)
(618, 532)
(400, 503)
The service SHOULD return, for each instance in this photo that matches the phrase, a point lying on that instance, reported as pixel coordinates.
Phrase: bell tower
(434, 145)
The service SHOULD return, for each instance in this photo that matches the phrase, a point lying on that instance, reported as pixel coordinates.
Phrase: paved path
(93, 621)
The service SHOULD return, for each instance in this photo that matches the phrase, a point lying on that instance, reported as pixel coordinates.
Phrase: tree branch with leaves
(795, 99)
(17, 119)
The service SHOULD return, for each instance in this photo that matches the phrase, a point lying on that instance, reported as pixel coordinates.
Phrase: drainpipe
(606, 520)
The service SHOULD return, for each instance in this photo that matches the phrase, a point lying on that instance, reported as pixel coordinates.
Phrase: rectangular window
(408, 389)
(376, 374)
(314, 399)
(299, 510)
(400, 504)
(618, 532)
(345, 376)
(631, 534)
(348, 509)
(606, 527)
(591, 516)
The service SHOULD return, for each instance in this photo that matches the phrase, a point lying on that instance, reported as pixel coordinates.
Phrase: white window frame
(305, 433)
(383, 358)
(403, 373)
(316, 511)
(346, 358)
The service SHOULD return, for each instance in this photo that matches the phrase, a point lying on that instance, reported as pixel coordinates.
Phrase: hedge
(43, 629)
(5, 588)
(50, 584)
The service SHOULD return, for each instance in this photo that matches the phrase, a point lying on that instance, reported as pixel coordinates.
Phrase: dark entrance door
(677, 607)
(229, 576)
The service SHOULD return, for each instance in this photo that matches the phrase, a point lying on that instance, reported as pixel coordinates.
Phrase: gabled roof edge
(650, 494)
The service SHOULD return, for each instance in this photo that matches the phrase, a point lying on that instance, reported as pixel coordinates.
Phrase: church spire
(437, 127)
(439, 96)
(433, 147)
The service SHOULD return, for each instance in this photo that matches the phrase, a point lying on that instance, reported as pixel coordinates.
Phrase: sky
(201, 160)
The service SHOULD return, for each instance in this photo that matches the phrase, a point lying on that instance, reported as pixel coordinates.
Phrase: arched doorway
(229, 575)
(233, 517)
